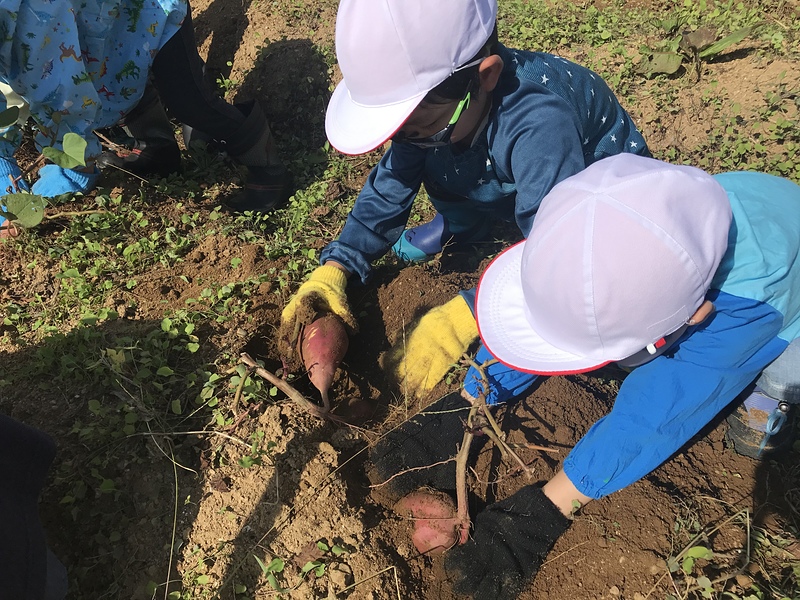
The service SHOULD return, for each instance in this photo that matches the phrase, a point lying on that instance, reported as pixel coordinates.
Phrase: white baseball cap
(392, 53)
(620, 256)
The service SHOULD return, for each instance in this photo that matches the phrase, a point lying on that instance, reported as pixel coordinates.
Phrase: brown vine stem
(288, 389)
(461, 478)
(76, 213)
(493, 429)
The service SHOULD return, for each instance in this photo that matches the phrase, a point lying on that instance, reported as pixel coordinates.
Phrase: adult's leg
(155, 149)
(25, 457)
(178, 75)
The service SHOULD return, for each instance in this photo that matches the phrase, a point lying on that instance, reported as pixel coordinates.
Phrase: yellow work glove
(322, 292)
(437, 341)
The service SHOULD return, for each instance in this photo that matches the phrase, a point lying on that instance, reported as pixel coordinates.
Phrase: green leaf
(75, 148)
(26, 210)
(164, 371)
(729, 40)
(9, 116)
(310, 566)
(704, 582)
(660, 62)
(276, 565)
(323, 546)
(698, 39)
(150, 588)
(687, 565)
(699, 552)
(275, 585)
(202, 580)
(337, 550)
(175, 406)
(238, 588)
(174, 596)
(73, 154)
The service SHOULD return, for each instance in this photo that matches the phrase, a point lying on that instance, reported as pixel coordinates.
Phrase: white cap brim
(505, 330)
(355, 129)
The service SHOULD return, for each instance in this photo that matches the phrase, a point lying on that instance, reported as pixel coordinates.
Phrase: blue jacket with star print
(80, 65)
(550, 118)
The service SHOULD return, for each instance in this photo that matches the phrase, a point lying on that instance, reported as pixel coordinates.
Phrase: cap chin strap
(653, 350)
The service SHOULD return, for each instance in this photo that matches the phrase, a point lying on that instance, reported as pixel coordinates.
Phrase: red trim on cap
(660, 343)
(552, 373)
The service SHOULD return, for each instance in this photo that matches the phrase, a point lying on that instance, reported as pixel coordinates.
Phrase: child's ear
(489, 72)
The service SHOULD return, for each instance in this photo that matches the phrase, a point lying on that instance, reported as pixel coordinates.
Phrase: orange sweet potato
(436, 524)
(322, 348)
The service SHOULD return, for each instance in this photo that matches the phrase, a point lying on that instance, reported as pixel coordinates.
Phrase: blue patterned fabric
(80, 64)
(550, 118)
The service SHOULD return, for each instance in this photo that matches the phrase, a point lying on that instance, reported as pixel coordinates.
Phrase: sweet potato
(322, 348)
(436, 524)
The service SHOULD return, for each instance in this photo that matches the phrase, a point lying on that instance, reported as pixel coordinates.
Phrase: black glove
(510, 541)
(432, 436)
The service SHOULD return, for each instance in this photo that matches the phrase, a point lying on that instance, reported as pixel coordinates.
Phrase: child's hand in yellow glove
(437, 341)
(322, 292)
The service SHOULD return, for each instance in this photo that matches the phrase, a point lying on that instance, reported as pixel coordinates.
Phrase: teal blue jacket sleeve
(664, 403)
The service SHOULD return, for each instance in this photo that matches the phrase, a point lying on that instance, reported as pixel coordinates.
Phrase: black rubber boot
(269, 183)
(155, 151)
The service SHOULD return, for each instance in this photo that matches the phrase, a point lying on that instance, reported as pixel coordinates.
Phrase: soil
(311, 486)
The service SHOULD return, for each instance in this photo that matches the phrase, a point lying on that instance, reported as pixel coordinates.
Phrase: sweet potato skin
(436, 524)
(323, 346)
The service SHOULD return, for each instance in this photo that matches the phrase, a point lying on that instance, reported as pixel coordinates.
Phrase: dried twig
(493, 430)
(461, 478)
(533, 447)
(288, 389)
(410, 470)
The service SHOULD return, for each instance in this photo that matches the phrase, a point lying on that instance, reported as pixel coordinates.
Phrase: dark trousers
(25, 457)
(179, 82)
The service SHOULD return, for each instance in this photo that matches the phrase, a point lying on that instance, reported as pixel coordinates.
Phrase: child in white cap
(488, 130)
(690, 281)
